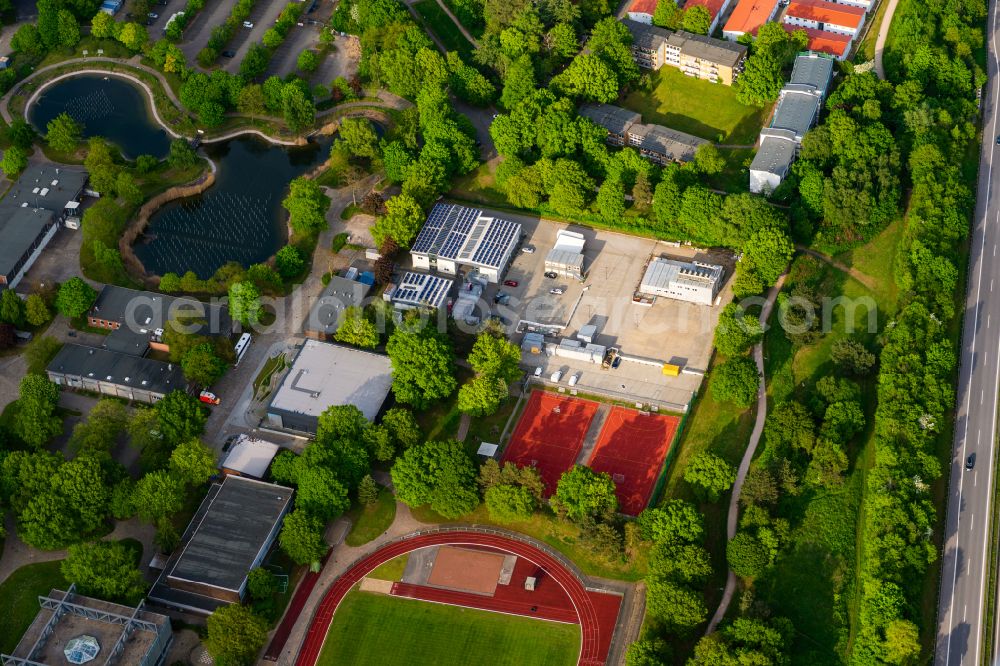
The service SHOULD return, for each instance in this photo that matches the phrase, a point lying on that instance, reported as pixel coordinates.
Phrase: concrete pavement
(883, 34)
(961, 618)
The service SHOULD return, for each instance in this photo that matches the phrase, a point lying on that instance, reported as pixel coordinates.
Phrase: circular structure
(559, 570)
(81, 649)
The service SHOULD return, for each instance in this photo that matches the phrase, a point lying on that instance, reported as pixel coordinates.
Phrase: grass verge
(443, 27)
(368, 522)
(19, 599)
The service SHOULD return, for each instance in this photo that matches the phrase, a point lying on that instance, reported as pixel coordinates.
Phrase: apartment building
(705, 58)
(656, 143)
(826, 16)
(748, 17)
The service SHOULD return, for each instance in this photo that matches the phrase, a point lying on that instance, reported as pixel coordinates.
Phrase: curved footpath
(883, 34)
(556, 567)
(741, 474)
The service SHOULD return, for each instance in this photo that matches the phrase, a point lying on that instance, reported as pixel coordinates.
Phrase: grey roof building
(615, 119)
(47, 187)
(702, 47)
(455, 235)
(324, 316)
(323, 375)
(420, 291)
(72, 628)
(24, 233)
(694, 282)
(229, 535)
(648, 43)
(149, 310)
(662, 144)
(814, 70)
(771, 164)
(794, 115)
(114, 373)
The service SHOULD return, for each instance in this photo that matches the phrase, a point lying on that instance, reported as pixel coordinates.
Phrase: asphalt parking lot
(264, 16)
(669, 331)
(199, 31)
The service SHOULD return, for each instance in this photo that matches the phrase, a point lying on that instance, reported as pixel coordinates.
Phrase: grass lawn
(866, 49)
(371, 521)
(374, 629)
(440, 420)
(735, 176)
(438, 22)
(877, 258)
(698, 107)
(391, 570)
(19, 599)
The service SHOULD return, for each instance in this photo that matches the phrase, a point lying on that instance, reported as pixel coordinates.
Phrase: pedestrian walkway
(883, 34)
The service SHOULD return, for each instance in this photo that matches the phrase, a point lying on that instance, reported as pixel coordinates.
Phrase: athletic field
(375, 629)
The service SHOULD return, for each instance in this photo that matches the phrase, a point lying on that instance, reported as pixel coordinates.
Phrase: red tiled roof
(713, 6)
(642, 7)
(749, 15)
(823, 41)
(827, 12)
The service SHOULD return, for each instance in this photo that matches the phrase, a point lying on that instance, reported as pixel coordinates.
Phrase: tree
(244, 303)
(359, 136)
(181, 154)
(36, 421)
(306, 205)
(667, 14)
(611, 201)
(74, 298)
(103, 26)
(367, 490)
(69, 29)
(27, 40)
(402, 221)
(308, 61)
(341, 422)
(193, 462)
(737, 331)
(36, 311)
(98, 434)
(437, 473)
(852, 357)
(735, 381)
(583, 494)
(674, 521)
(403, 426)
(642, 192)
(320, 493)
(15, 159)
(697, 19)
(482, 395)
(902, 641)
(104, 569)
(63, 133)
(707, 157)
(235, 635)
(289, 262)
(677, 606)
(711, 474)
(648, 651)
(509, 504)
(589, 78)
(11, 308)
(261, 584)
(202, 366)
(422, 365)
(21, 134)
(158, 495)
(762, 79)
(251, 100)
(297, 109)
(765, 256)
(133, 36)
(746, 555)
(302, 538)
(494, 355)
(790, 424)
(683, 562)
(828, 464)
(357, 329)
(179, 417)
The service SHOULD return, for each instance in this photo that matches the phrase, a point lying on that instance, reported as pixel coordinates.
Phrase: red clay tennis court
(631, 448)
(550, 435)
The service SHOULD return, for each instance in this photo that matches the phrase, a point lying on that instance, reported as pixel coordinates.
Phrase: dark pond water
(110, 107)
(239, 218)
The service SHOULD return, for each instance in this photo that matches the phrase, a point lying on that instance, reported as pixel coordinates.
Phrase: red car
(209, 398)
(510, 283)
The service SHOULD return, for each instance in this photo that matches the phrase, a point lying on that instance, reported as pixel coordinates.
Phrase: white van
(538, 371)
(556, 376)
(574, 379)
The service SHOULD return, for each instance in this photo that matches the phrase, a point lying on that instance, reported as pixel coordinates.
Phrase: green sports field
(375, 629)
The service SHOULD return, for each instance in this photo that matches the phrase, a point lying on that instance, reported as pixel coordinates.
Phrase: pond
(239, 218)
(106, 106)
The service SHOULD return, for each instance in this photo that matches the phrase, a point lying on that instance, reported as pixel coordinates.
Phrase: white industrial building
(694, 282)
(419, 291)
(566, 256)
(249, 456)
(578, 350)
(456, 236)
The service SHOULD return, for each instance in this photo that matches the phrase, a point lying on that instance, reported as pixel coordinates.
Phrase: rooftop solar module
(420, 289)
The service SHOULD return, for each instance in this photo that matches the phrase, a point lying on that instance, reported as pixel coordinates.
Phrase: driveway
(264, 16)
(343, 61)
(481, 119)
(199, 31)
(284, 61)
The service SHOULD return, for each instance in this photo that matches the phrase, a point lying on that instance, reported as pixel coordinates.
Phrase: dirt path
(883, 34)
(741, 474)
(458, 24)
(863, 278)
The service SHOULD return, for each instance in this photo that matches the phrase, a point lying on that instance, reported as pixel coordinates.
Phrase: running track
(587, 613)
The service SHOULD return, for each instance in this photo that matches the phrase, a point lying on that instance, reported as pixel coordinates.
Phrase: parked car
(502, 297)
(574, 379)
(552, 275)
(538, 371)
(228, 54)
(528, 249)
(556, 376)
(510, 283)
(247, 24)
(209, 398)
(558, 291)
(615, 363)
(970, 462)
(152, 16)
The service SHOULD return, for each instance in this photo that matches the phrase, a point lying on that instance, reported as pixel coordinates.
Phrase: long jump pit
(466, 570)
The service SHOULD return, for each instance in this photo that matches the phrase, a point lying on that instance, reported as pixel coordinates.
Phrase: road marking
(991, 284)
(972, 520)
(987, 321)
(981, 393)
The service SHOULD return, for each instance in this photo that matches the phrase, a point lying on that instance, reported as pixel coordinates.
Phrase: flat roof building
(420, 291)
(814, 70)
(566, 256)
(699, 56)
(325, 315)
(771, 164)
(229, 535)
(694, 282)
(115, 374)
(663, 145)
(323, 375)
(249, 456)
(748, 17)
(615, 119)
(456, 236)
(72, 628)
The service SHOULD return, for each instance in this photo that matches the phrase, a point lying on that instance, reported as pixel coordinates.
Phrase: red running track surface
(593, 618)
(634, 445)
(548, 439)
(292, 613)
(456, 598)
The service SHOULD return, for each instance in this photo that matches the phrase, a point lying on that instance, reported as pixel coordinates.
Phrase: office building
(694, 282)
(456, 236)
(566, 256)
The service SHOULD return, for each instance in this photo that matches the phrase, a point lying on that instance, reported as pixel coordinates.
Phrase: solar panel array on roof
(445, 231)
(463, 221)
(496, 243)
(421, 289)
